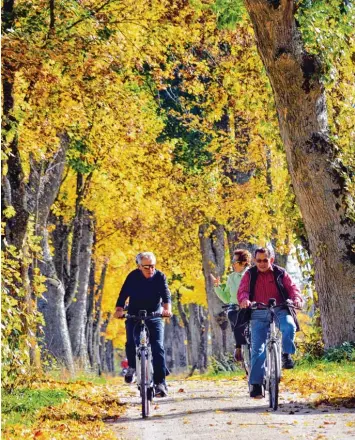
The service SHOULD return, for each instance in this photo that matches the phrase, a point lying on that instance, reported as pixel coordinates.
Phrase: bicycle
(273, 347)
(144, 360)
(245, 348)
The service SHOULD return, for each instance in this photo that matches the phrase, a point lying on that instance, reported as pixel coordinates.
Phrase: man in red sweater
(260, 283)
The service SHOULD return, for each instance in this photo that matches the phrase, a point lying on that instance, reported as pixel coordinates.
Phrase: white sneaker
(161, 390)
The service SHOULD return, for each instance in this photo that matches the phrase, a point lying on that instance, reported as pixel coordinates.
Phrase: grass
(338, 368)
(21, 406)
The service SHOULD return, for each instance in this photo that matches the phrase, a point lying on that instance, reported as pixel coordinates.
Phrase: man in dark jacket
(260, 283)
(147, 289)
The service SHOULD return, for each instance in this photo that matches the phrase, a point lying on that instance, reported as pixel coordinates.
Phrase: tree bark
(77, 311)
(96, 341)
(52, 303)
(89, 335)
(175, 348)
(316, 172)
(198, 324)
(213, 250)
(73, 280)
(185, 321)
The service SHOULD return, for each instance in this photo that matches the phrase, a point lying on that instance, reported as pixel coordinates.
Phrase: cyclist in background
(147, 288)
(263, 281)
(227, 293)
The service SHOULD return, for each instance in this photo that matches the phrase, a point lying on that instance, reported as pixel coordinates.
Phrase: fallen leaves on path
(324, 386)
(82, 416)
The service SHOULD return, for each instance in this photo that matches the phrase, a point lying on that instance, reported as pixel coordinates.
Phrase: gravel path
(222, 409)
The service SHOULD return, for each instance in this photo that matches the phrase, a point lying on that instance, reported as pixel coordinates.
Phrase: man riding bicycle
(260, 283)
(146, 287)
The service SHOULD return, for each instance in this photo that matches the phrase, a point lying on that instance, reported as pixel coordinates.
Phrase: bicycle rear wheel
(144, 387)
(274, 378)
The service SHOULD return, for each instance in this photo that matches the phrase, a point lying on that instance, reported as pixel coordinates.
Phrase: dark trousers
(238, 323)
(156, 339)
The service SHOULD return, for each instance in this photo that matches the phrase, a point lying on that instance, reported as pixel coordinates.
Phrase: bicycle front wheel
(246, 353)
(274, 377)
(144, 387)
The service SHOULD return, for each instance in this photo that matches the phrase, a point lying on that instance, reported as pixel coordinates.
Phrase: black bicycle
(144, 360)
(245, 348)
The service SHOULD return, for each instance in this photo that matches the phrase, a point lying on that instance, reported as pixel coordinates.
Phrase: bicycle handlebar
(151, 315)
(231, 306)
(259, 305)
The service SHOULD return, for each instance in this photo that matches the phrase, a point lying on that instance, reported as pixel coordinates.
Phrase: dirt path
(218, 410)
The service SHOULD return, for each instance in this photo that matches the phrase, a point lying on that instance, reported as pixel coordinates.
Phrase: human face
(263, 262)
(238, 266)
(147, 267)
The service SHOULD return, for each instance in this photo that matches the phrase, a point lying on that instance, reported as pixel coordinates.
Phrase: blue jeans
(259, 325)
(156, 338)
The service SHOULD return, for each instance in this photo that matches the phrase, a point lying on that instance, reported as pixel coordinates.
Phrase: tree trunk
(109, 356)
(199, 329)
(96, 339)
(77, 311)
(89, 331)
(212, 250)
(73, 280)
(316, 172)
(185, 321)
(52, 303)
(175, 348)
(102, 347)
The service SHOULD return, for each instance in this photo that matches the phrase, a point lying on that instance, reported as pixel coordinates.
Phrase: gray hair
(148, 255)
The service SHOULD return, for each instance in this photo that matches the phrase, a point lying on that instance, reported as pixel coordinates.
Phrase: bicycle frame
(273, 338)
(273, 352)
(144, 361)
(144, 349)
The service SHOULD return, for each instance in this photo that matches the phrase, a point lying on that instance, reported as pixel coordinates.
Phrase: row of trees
(145, 125)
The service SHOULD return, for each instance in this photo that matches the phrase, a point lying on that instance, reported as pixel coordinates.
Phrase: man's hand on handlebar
(119, 312)
(298, 303)
(166, 313)
(245, 304)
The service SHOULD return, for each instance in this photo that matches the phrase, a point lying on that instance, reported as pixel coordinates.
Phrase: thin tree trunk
(185, 321)
(77, 311)
(89, 331)
(316, 173)
(97, 320)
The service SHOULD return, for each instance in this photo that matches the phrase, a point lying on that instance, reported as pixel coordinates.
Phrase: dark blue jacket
(144, 293)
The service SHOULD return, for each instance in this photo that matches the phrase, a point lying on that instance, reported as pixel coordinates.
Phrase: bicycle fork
(146, 351)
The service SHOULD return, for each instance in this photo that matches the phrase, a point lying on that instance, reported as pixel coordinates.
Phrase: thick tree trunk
(52, 304)
(77, 311)
(213, 253)
(316, 173)
(175, 348)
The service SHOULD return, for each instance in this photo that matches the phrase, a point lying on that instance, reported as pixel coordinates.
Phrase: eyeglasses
(148, 266)
(264, 260)
(237, 261)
